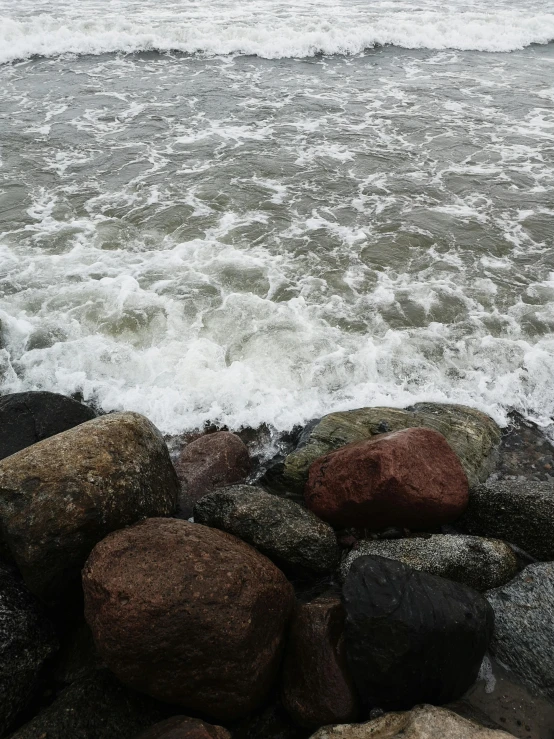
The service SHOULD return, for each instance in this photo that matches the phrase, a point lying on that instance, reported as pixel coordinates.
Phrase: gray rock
(518, 511)
(523, 637)
(281, 529)
(471, 434)
(480, 563)
(26, 641)
(61, 496)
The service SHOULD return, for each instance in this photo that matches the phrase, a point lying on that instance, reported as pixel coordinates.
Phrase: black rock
(26, 640)
(26, 418)
(412, 637)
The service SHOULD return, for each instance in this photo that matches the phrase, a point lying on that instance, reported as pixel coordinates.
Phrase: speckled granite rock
(523, 637)
(281, 529)
(423, 722)
(518, 511)
(471, 434)
(480, 563)
(59, 497)
(182, 727)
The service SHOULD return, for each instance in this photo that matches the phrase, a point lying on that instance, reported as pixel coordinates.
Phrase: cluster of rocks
(353, 591)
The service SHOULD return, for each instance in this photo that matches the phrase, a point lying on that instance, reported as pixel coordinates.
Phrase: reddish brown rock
(182, 727)
(210, 462)
(188, 614)
(317, 689)
(409, 478)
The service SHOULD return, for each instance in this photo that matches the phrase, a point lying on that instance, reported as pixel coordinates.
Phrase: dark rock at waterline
(284, 531)
(26, 418)
(212, 461)
(27, 640)
(480, 563)
(317, 687)
(272, 722)
(412, 637)
(409, 478)
(96, 707)
(473, 436)
(188, 614)
(59, 497)
(519, 511)
(183, 727)
(524, 626)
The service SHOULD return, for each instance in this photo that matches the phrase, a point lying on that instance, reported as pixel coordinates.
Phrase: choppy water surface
(204, 234)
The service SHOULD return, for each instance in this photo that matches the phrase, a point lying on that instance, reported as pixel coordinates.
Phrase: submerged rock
(182, 727)
(412, 637)
(284, 531)
(27, 640)
(480, 563)
(188, 614)
(473, 436)
(524, 626)
(212, 461)
(519, 511)
(317, 688)
(409, 478)
(26, 418)
(59, 497)
(423, 722)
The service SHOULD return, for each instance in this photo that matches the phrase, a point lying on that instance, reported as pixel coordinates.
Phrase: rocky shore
(389, 574)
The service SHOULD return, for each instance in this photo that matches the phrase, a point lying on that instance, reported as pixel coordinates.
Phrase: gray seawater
(231, 238)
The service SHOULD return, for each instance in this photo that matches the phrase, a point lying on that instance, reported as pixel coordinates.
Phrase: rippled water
(203, 234)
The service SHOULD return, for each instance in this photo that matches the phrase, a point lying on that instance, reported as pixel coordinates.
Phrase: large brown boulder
(317, 688)
(408, 478)
(210, 462)
(188, 614)
(183, 727)
(61, 496)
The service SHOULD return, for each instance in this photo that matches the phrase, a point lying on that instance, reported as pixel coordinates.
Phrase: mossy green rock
(473, 436)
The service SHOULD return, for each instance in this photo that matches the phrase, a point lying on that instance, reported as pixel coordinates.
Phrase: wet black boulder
(412, 637)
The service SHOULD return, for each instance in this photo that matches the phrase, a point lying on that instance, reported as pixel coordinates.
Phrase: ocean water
(258, 212)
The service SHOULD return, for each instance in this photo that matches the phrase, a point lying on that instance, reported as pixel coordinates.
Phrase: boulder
(423, 722)
(188, 614)
(59, 497)
(317, 688)
(472, 435)
(412, 637)
(26, 418)
(212, 461)
(182, 727)
(408, 478)
(95, 707)
(519, 511)
(27, 640)
(524, 626)
(480, 563)
(273, 722)
(284, 531)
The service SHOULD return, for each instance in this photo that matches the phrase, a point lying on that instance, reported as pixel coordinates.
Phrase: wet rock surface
(411, 637)
(524, 626)
(480, 563)
(26, 418)
(524, 452)
(62, 495)
(27, 640)
(317, 687)
(519, 511)
(409, 478)
(423, 722)
(287, 533)
(472, 435)
(182, 727)
(211, 461)
(188, 614)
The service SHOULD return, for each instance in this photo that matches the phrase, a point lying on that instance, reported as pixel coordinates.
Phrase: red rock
(182, 727)
(210, 462)
(187, 614)
(409, 478)
(317, 688)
